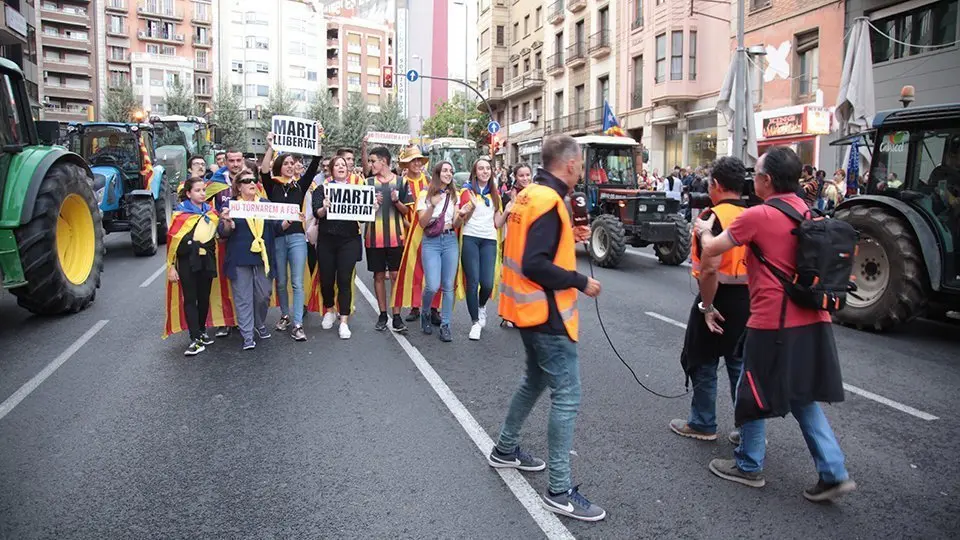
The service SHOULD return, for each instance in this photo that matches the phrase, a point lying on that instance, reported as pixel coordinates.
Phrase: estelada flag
(610, 124)
(408, 288)
(146, 168)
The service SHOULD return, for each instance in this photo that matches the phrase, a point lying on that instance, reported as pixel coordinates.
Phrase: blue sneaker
(517, 459)
(425, 323)
(572, 504)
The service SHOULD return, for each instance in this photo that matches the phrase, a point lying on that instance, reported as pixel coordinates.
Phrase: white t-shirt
(451, 208)
(480, 224)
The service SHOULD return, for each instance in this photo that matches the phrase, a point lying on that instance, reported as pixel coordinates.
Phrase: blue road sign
(412, 75)
(493, 127)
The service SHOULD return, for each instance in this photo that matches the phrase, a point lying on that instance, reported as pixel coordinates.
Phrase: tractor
(51, 234)
(461, 153)
(907, 262)
(621, 213)
(132, 192)
(177, 139)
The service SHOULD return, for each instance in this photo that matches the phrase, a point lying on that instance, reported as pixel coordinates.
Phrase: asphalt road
(380, 437)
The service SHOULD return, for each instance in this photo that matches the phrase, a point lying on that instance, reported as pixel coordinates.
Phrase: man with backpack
(798, 273)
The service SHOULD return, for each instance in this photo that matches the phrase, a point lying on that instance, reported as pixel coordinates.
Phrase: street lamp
(466, 47)
(419, 60)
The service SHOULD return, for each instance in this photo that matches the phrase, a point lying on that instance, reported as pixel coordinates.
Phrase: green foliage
(356, 121)
(181, 100)
(121, 104)
(228, 117)
(325, 111)
(448, 121)
(280, 102)
(390, 118)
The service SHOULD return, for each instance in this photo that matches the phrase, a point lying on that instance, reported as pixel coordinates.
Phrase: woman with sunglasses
(480, 239)
(249, 262)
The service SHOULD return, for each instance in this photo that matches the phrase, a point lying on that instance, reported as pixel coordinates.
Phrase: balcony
(202, 19)
(66, 114)
(333, 82)
(203, 42)
(557, 124)
(117, 32)
(203, 67)
(66, 15)
(333, 61)
(59, 66)
(555, 64)
(118, 6)
(517, 85)
(333, 43)
(600, 44)
(555, 12)
(492, 94)
(119, 58)
(576, 55)
(63, 42)
(204, 92)
(58, 91)
(593, 117)
(354, 48)
(161, 37)
(576, 5)
(153, 9)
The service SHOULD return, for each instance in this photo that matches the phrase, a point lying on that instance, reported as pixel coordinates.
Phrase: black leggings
(196, 297)
(337, 257)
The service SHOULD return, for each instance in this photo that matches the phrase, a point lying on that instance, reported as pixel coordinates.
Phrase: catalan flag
(610, 124)
(146, 169)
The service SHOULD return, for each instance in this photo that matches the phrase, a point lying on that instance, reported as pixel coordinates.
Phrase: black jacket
(292, 193)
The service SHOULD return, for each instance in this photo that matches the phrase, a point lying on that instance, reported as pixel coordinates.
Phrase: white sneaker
(345, 331)
(475, 331)
(328, 319)
(482, 316)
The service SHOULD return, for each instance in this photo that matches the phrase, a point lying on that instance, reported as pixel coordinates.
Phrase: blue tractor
(131, 189)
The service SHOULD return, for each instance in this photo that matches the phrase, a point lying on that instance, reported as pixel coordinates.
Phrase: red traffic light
(386, 76)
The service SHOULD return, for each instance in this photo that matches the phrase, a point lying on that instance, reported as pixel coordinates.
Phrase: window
(139, 76)
(637, 14)
(116, 25)
(808, 64)
(202, 86)
(931, 25)
(201, 12)
(754, 4)
(168, 50)
(298, 72)
(578, 95)
(485, 40)
(558, 106)
(692, 61)
(501, 40)
(153, 48)
(373, 62)
(499, 77)
(525, 110)
(258, 90)
(580, 34)
(516, 70)
(516, 32)
(538, 18)
(526, 65)
(236, 67)
(254, 42)
(526, 25)
(172, 78)
(538, 105)
(118, 53)
(538, 61)
(636, 96)
(298, 94)
(201, 58)
(373, 85)
(515, 113)
(485, 80)
(119, 78)
(676, 56)
(263, 67)
(604, 15)
(661, 59)
(312, 76)
(254, 17)
(353, 81)
(236, 89)
(156, 77)
(603, 90)
(353, 62)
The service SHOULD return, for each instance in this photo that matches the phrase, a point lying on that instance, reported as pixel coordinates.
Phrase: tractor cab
(461, 153)
(190, 132)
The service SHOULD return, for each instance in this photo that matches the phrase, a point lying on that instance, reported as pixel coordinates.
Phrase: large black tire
(142, 214)
(164, 212)
(607, 245)
(888, 270)
(48, 290)
(677, 252)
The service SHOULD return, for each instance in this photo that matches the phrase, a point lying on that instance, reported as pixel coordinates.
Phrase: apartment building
(70, 86)
(18, 43)
(356, 51)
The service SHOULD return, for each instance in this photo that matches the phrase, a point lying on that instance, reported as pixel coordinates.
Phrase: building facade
(18, 43)
(356, 51)
(69, 84)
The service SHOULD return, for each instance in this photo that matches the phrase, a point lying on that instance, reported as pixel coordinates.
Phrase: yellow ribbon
(258, 245)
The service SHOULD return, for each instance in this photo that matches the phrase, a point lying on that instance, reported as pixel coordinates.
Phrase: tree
(448, 121)
(390, 118)
(356, 121)
(280, 102)
(228, 117)
(121, 104)
(325, 111)
(180, 99)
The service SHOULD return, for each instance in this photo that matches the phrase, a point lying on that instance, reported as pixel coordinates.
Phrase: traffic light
(386, 76)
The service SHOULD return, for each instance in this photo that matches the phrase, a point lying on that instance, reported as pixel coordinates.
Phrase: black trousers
(196, 297)
(337, 257)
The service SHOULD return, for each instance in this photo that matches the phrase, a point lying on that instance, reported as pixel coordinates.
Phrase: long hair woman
(439, 212)
(482, 222)
(338, 249)
(191, 260)
(249, 262)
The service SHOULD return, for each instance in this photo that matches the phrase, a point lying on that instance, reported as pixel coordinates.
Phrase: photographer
(719, 312)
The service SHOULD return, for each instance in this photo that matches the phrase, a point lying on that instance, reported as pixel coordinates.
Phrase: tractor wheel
(888, 271)
(606, 241)
(164, 215)
(61, 248)
(142, 214)
(677, 252)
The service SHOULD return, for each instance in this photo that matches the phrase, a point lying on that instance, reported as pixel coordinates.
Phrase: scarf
(205, 227)
(258, 245)
(285, 181)
(483, 193)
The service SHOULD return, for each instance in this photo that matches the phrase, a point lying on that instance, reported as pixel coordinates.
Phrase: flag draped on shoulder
(460, 285)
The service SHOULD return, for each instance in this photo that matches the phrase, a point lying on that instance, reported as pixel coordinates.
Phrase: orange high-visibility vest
(522, 301)
(733, 263)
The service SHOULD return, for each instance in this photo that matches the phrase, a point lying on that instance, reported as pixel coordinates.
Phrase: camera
(748, 195)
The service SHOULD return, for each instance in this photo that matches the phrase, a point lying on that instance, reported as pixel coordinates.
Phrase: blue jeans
(703, 406)
(551, 361)
(291, 249)
(479, 259)
(441, 255)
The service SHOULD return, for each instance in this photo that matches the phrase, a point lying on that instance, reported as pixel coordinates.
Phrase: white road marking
(146, 283)
(848, 387)
(38, 379)
(644, 254)
(528, 497)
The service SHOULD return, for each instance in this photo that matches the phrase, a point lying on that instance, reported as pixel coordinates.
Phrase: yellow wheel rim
(76, 242)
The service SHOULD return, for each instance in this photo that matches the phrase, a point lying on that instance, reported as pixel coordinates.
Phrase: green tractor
(51, 232)
(907, 262)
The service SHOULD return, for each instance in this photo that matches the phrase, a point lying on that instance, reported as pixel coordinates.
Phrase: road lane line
(38, 379)
(528, 497)
(848, 387)
(146, 283)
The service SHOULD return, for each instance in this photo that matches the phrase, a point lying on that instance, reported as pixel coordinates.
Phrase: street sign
(493, 127)
(412, 75)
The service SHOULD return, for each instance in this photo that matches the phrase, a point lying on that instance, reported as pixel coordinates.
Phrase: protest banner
(385, 137)
(350, 202)
(264, 210)
(295, 135)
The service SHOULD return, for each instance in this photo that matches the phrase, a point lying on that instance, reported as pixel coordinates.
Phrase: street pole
(739, 119)
(466, 61)
(419, 60)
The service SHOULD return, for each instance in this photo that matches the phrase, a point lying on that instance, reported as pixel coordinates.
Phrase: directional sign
(412, 75)
(493, 127)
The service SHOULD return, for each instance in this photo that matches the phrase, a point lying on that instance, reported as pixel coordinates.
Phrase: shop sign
(528, 149)
(817, 121)
(781, 126)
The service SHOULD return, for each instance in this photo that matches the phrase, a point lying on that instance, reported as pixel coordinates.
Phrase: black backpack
(825, 251)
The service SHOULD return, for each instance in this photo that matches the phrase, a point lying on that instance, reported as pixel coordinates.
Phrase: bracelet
(705, 309)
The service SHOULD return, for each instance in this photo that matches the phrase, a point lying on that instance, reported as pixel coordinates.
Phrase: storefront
(529, 152)
(799, 128)
(702, 141)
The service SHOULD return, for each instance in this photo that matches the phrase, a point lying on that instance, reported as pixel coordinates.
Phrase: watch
(705, 309)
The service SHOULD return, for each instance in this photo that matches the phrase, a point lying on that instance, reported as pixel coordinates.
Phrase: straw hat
(411, 153)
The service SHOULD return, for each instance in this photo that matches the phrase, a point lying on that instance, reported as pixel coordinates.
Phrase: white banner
(264, 210)
(295, 135)
(349, 202)
(384, 137)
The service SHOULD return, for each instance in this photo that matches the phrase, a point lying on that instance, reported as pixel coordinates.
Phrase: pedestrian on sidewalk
(539, 294)
(789, 354)
(440, 215)
(480, 242)
(250, 261)
(719, 313)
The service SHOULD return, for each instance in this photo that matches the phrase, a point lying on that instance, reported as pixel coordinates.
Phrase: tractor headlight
(661, 208)
(99, 195)
(642, 208)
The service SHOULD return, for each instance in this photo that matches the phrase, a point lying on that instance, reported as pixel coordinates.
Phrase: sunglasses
(246, 180)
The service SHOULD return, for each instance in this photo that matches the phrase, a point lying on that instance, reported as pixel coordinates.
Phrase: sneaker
(435, 317)
(475, 331)
(298, 334)
(518, 459)
(413, 315)
(250, 345)
(445, 335)
(398, 325)
(328, 319)
(206, 339)
(195, 348)
(482, 316)
(263, 333)
(283, 324)
(734, 438)
(728, 470)
(425, 324)
(681, 428)
(223, 331)
(823, 491)
(344, 331)
(381, 323)
(572, 504)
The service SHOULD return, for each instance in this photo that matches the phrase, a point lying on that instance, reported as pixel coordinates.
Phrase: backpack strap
(786, 208)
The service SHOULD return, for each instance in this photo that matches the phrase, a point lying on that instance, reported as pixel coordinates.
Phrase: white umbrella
(727, 104)
(855, 102)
